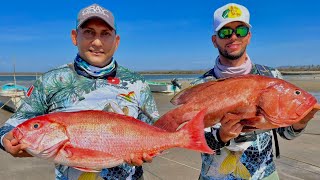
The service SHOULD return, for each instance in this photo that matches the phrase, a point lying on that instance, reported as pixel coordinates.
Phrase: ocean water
(18, 78)
(28, 80)
(170, 76)
(147, 76)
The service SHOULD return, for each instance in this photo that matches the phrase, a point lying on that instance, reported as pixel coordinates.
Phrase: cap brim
(91, 17)
(229, 21)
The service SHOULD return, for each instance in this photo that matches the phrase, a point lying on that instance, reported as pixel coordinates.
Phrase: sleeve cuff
(218, 138)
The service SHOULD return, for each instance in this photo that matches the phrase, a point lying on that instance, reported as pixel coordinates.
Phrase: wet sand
(299, 158)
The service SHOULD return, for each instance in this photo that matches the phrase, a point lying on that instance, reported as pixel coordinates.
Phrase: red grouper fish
(260, 102)
(92, 140)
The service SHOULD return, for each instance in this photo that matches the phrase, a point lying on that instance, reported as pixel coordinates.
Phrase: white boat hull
(163, 87)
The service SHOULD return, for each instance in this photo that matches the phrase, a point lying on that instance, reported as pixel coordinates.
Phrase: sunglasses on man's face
(226, 33)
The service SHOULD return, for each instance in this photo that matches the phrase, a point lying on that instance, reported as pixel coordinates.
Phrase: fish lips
(36, 149)
(17, 133)
(305, 108)
(301, 111)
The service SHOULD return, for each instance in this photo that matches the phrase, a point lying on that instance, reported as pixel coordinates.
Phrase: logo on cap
(95, 10)
(232, 12)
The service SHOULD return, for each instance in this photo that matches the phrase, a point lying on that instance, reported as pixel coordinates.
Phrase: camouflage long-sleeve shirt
(64, 90)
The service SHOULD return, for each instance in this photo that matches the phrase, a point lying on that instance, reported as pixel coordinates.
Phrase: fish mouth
(35, 149)
(301, 111)
(18, 133)
(50, 152)
(305, 108)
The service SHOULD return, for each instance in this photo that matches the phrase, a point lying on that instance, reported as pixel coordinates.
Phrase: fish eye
(36, 126)
(297, 92)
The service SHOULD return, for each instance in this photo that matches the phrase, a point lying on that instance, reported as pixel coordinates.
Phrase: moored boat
(165, 87)
(12, 94)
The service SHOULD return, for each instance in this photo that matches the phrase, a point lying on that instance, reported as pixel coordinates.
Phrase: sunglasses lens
(242, 31)
(225, 33)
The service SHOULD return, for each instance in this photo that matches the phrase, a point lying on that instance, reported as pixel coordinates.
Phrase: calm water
(18, 78)
(171, 76)
(28, 80)
(148, 77)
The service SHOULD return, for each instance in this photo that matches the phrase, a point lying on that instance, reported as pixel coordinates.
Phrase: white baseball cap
(229, 13)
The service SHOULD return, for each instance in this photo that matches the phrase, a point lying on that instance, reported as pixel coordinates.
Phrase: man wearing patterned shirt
(94, 81)
(239, 155)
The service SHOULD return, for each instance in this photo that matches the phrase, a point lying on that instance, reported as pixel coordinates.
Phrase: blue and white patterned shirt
(64, 90)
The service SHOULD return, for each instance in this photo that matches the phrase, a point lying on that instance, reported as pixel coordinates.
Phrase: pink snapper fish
(92, 140)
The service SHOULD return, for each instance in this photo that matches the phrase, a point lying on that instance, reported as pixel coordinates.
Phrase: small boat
(165, 87)
(12, 94)
(6, 108)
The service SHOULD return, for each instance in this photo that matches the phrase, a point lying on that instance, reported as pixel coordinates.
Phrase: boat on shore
(11, 95)
(165, 87)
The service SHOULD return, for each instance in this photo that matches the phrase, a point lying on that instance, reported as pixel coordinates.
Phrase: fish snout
(17, 133)
(305, 107)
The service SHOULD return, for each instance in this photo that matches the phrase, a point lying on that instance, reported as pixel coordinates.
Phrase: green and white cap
(229, 13)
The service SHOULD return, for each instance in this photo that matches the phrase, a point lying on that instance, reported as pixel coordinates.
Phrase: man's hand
(134, 161)
(303, 123)
(12, 146)
(230, 127)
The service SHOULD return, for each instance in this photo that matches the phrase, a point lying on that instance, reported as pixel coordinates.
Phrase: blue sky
(157, 35)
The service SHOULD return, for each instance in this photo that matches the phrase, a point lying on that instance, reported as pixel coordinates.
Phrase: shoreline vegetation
(284, 72)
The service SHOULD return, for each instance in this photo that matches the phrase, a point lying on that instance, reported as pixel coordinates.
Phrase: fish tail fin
(195, 131)
(232, 164)
(90, 176)
(229, 164)
(241, 171)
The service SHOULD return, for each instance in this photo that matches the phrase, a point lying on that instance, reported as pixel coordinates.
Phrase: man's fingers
(14, 142)
(11, 149)
(147, 158)
(230, 119)
(22, 153)
(9, 136)
(237, 128)
(135, 161)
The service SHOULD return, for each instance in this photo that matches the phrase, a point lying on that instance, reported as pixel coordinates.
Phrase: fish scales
(260, 102)
(92, 140)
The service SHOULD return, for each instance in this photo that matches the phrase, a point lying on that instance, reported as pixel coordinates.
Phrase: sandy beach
(299, 158)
